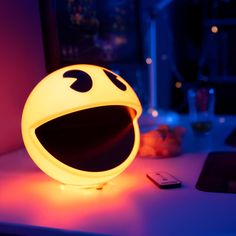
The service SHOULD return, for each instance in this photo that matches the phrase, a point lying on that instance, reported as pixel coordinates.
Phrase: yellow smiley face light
(80, 125)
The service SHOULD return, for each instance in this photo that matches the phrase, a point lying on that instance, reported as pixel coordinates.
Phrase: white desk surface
(128, 205)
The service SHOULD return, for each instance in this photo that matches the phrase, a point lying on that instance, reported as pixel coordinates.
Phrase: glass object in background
(201, 103)
(157, 49)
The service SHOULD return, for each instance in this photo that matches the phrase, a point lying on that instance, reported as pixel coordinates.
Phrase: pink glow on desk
(28, 196)
(128, 205)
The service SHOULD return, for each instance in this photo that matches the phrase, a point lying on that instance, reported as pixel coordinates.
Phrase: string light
(149, 60)
(178, 84)
(154, 113)
(214, 29)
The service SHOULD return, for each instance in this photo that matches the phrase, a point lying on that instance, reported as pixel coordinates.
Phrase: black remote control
(164, 180)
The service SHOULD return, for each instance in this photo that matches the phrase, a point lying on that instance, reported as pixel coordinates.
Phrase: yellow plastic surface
(53, 97)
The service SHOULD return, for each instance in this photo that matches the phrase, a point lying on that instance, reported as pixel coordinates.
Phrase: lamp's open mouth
(95, 139)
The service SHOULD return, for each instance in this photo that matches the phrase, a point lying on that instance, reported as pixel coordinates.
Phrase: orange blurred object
(164, 141)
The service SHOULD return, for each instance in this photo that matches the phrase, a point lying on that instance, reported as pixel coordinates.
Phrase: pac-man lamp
(80, 125)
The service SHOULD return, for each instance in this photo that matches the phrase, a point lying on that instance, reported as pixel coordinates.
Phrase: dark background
(115, 34)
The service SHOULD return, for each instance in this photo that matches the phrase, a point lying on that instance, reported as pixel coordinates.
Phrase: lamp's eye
(115, 81)
(83, 81)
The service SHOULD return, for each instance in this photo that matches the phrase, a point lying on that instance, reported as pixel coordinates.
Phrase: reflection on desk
(128, 205)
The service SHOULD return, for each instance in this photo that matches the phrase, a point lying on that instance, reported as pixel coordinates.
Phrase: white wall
(21, 65)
